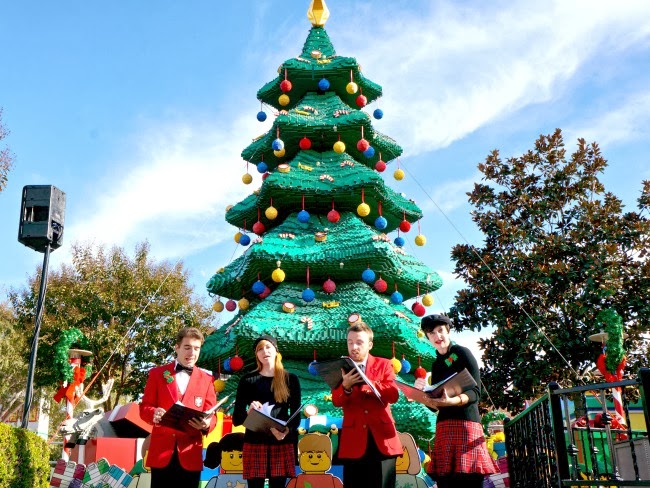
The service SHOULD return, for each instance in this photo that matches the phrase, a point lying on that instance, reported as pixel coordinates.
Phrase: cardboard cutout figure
(315, 459)
(407, 465)
(226, 453)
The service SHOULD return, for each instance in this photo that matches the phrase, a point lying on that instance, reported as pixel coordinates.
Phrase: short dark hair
(361, 327)
(430, 322)
(191, 332)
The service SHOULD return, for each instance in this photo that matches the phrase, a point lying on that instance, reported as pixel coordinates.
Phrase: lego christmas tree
(318, 254)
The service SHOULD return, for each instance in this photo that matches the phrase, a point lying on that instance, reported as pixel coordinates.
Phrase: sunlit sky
(139, 111)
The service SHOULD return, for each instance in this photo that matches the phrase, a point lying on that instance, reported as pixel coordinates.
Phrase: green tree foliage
(558, 249)
(6, 158)
(13, 367)
(128, 309)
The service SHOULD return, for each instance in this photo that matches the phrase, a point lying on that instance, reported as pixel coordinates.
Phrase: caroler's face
(359, 345)
(266, 353)
(439, 338)
(187, 352)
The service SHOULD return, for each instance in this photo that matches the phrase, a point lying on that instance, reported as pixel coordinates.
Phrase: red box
(116, 450)
(126, 421)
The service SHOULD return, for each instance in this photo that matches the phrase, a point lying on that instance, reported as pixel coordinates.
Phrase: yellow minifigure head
(409, 460)
(226, 453)
(315, 453)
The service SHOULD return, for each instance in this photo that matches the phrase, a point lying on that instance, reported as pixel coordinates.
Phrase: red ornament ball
(418, 309)
(259, 228)
(361, 101)
(265, 293)
(265, 175)
(380, 166)
(404, 226)
(333, 216)
(236, 363)
(329, 286)
(304, 143)
(362, 145)
(381, 286)
(231, 305)
(420, 372)
(286, 86)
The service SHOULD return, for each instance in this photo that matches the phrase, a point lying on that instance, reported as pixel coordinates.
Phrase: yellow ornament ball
(363, 210)
(420, 240)
(339, 147)
(218, 306)
(427, 300)
(238, 237)
(219, 385)
(398, 174)
(284, 100)
(280, 153)
(352, 88)
(247, 179)
(397, 366)
(243, 304)
(278, 275)
(420, 334)
(271, 213)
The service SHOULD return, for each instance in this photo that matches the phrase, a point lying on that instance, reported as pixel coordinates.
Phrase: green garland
(614, 328)
(61, 361)
(491, 416)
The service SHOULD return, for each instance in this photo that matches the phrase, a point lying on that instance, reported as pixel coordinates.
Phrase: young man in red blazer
(176, 457)
(369, 441)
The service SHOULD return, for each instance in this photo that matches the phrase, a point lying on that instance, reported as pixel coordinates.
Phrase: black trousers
(461, 481)
(372, 470)
(174, 475)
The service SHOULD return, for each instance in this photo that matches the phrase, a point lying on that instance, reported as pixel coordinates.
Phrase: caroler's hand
(445, 401)
(350, 379)
(203, 424)
(420, 383)
(279, 435)
(255, 405)
(157, 414)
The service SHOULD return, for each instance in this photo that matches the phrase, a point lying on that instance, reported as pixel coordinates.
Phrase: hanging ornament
(236, 363)
(368, 276)
(312, 366)
(261, 115)
(361, 101)
(351, 88)
(362, 145)
(284, 100)
(238, 237)
(262, 167)
(308, 294)
(231, 305)
(399, 241)
(265, 176)
(396, 297)
(333, 216)
(329, 286)
(323, 84)
(420, 240)
(380, 285)
(258, 286)
(304, 143)
(378, 113)
(303, 215)
(285, 86)
(398, 174)
(226, 366)
(244, 240)
(265, 293)
(427, 300)
(247, 179)
(370, 152)
(380, 222)
(339, 146)
(259, 228)
(278, 275)
(397, 365)
(363, 210)
(406, 366)
(219, 385)
(380, 165)
(420, 372)
(418, 309)
(404, 225)
(277, 144)
(271, 212)
(243, 304)
(280, 153)
(218, 306)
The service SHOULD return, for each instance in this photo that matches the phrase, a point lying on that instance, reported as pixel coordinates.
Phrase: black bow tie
(180, 367)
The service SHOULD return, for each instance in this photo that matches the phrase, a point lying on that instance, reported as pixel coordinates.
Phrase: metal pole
(29, 393)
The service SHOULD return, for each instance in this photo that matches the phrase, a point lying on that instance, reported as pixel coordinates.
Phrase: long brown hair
(280, 383)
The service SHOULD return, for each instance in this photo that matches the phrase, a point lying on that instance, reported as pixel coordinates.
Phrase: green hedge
(24, 459)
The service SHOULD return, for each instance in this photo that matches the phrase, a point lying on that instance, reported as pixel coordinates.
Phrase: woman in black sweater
(269, 455)
(460, 456)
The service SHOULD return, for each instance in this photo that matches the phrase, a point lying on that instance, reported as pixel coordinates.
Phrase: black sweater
(253, 386)
(456, 359)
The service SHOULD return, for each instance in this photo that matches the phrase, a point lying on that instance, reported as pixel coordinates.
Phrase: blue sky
(139, 111)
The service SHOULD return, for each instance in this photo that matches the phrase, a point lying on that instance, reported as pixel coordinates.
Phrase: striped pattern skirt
(459, 447)
(269, 460)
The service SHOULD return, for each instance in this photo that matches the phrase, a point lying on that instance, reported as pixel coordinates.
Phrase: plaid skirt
(269, 460)
(459, 447)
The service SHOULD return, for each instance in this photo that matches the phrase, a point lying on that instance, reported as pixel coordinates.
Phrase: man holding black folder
(176, 455)
(369, 441)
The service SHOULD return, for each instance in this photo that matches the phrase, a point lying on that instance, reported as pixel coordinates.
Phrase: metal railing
(556, 443)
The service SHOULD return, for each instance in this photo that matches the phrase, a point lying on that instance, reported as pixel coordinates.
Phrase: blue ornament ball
(308, 295)
(399, 241)
(324, 84)
(406, 366)
(312, 368)
(303, 216)
(244, 240)
(368, 276)
(381, 223)
(278, 144)
(261, 115)
(258, 287)
(370, 152)
(262, 167)
(226, 366)
(396, 298)
(378, 113)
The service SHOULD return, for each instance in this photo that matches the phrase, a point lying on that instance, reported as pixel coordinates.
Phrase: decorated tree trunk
(318, 253)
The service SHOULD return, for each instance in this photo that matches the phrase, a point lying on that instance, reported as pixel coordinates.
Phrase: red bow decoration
(79, 375)
(611, 377)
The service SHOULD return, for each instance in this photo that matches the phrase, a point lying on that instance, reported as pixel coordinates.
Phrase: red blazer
(363, 412)
(158, 392)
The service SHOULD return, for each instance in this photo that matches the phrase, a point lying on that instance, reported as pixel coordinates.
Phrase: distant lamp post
(42, 214)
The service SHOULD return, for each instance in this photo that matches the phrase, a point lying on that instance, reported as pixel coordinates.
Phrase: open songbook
(178, 416)
(330, 371)
(262, 420)
(454, 384)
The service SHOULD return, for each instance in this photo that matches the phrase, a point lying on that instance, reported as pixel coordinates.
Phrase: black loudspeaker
(42, 214)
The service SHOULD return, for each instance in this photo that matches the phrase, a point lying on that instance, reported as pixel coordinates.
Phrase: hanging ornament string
(419, 231)
(362, 132)
(314, 354)
(285, 73)
(332, 204)
(393, 346)
(363, 195)
(244, 225)
(307, 276)
(258, 214)
(303, 201)
(418, 288)
(379, 208)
